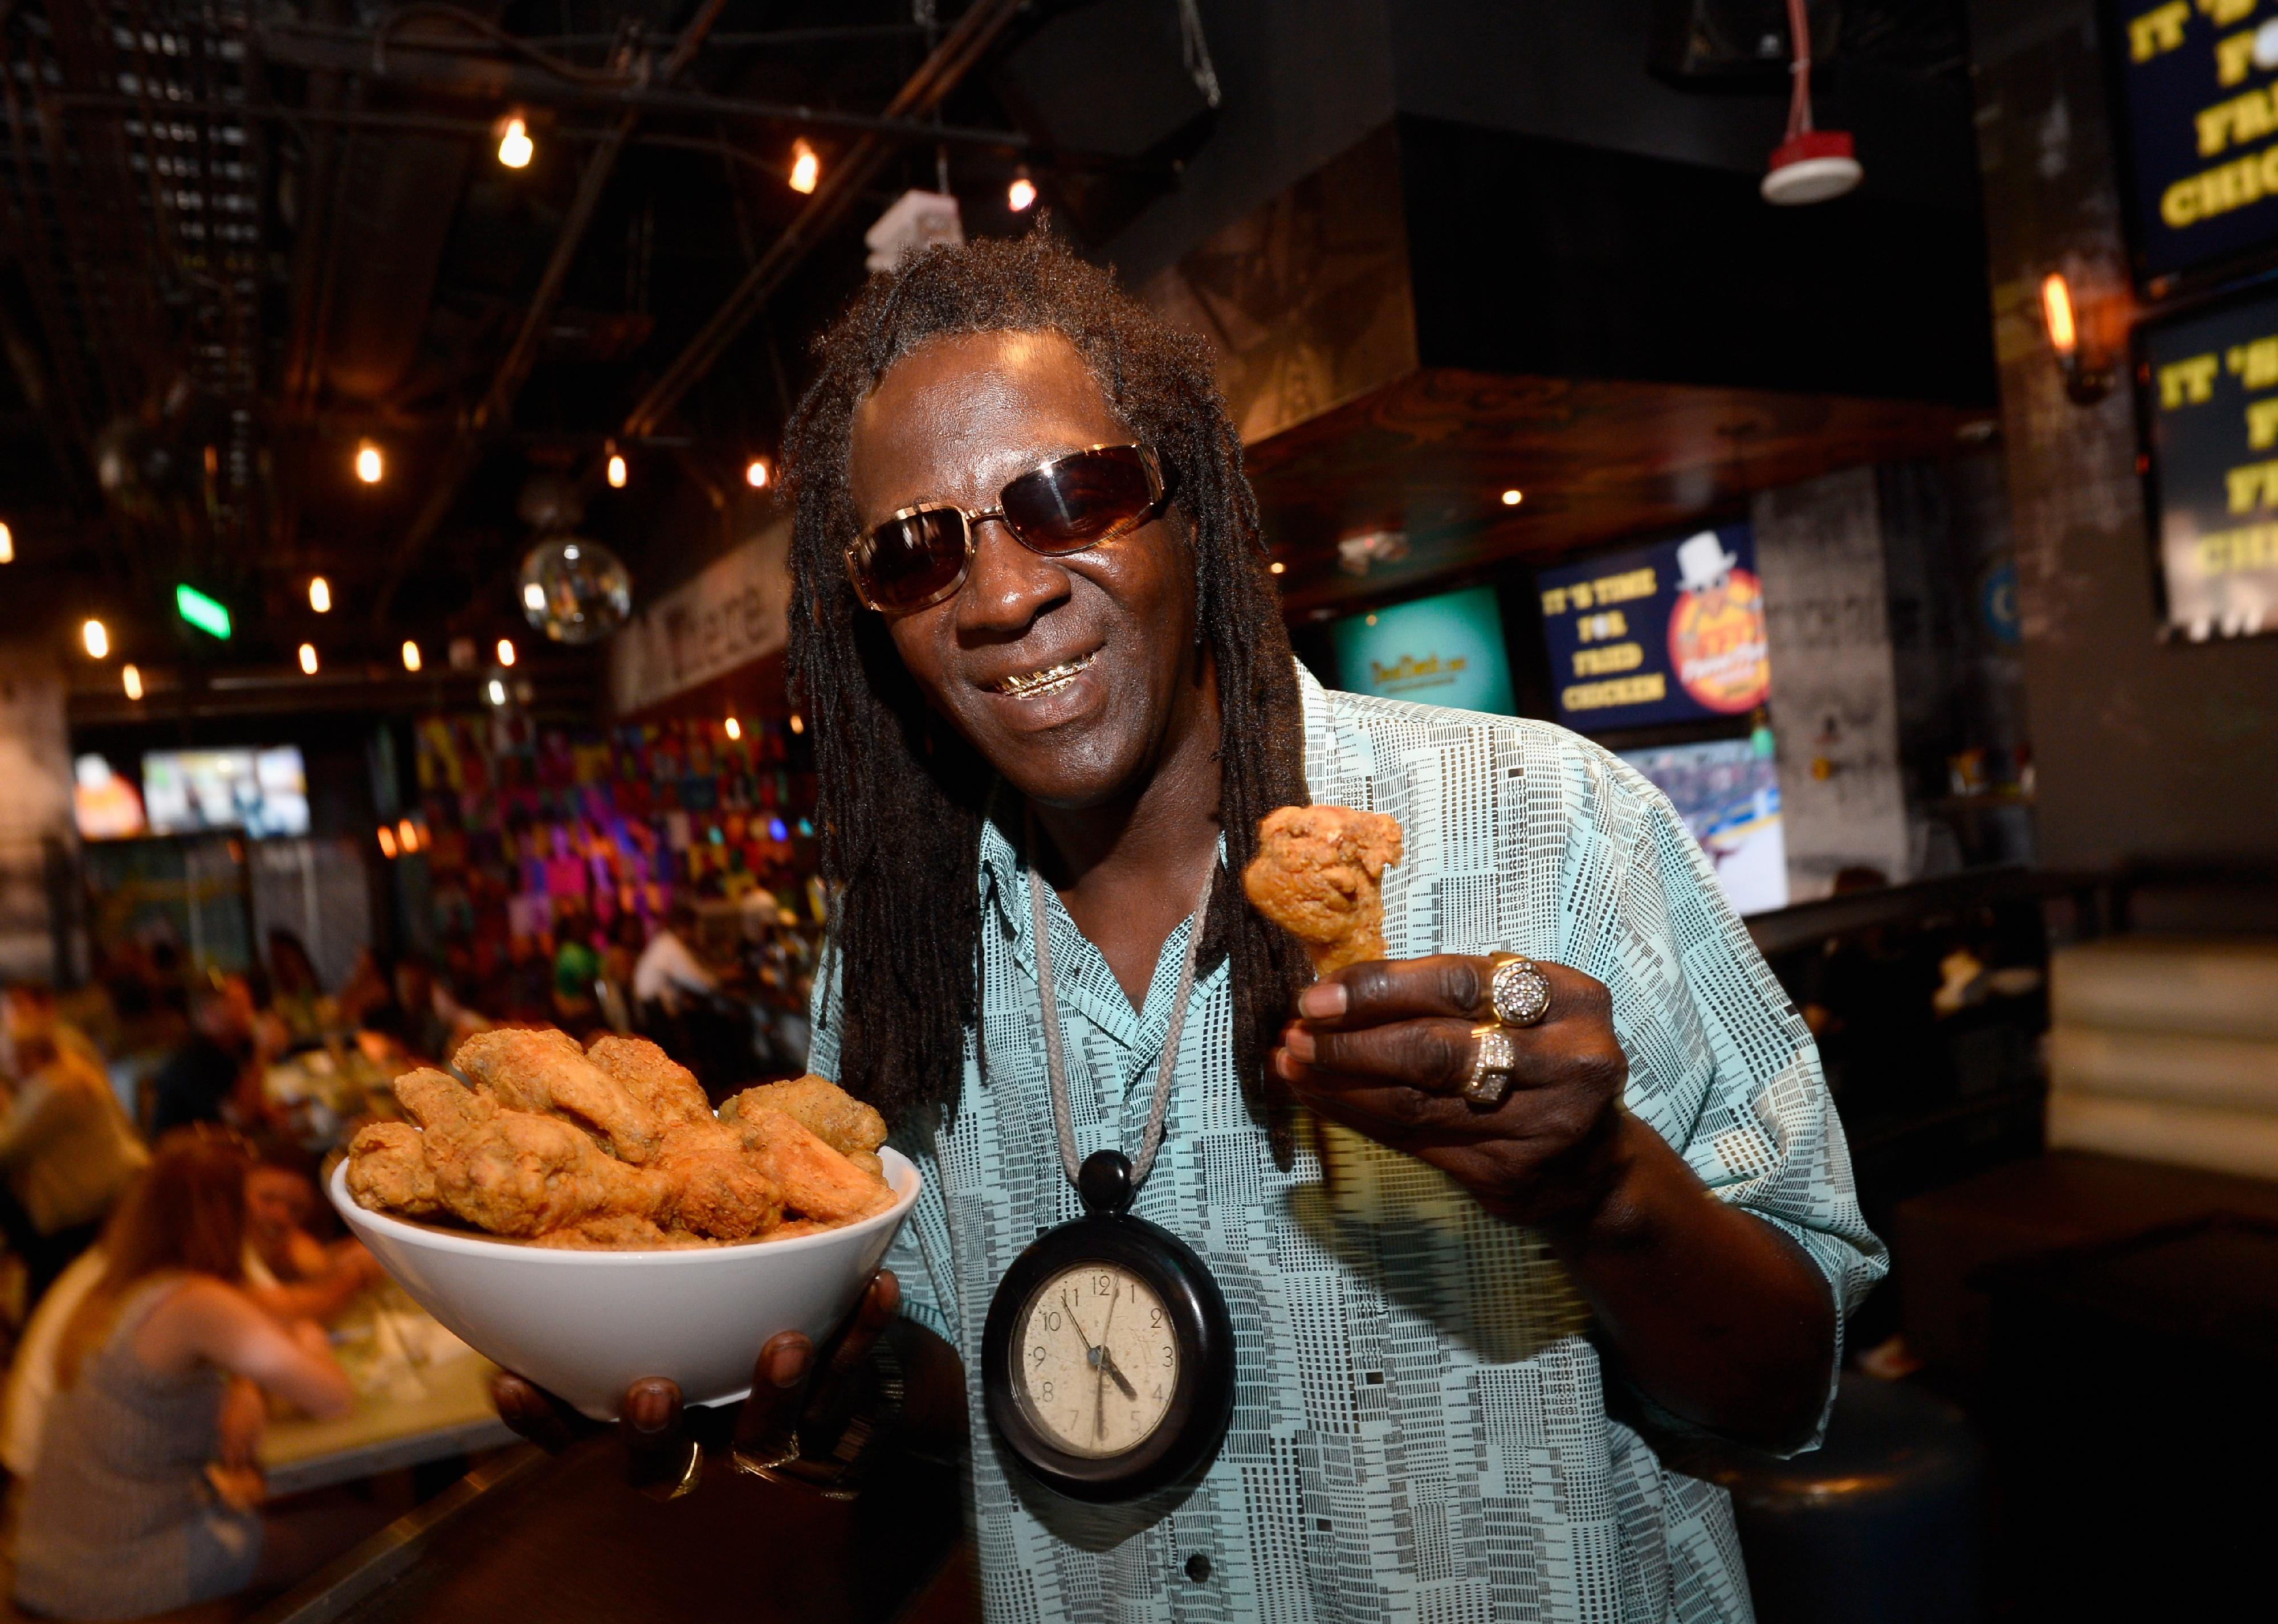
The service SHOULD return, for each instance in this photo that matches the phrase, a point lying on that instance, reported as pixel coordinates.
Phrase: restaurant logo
(1716, 644)
(1408, 674)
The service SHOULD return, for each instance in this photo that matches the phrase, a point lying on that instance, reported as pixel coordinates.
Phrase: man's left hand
(1386, 1047)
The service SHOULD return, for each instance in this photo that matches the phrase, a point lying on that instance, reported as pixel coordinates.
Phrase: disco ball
(575, 590)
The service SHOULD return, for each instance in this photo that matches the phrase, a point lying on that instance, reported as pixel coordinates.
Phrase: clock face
(1097, 1360)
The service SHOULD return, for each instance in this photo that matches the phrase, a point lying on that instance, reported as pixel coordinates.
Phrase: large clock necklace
(1108, 1357)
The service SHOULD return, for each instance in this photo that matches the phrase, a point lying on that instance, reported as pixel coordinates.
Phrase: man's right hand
(795, 1389)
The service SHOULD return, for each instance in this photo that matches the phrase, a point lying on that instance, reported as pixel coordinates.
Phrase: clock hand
(1108, 1364)
(1099, 1397)
(1091, 1353)
(1106, 1358)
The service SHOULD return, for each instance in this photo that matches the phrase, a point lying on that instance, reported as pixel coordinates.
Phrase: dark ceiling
(241, 239)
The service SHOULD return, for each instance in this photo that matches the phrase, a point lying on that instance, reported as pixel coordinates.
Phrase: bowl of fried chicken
(584, 1218)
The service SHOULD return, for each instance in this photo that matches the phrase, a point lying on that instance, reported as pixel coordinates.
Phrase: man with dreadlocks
(1051, 692)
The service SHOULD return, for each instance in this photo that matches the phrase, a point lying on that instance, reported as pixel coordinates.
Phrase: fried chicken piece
(815, 1180)
(540, 1072)
(388, 1171)
(1319, 873)
(515, 1172)
(718, 1188)
(660, 1085)
(836, 1118)
(622, 1233)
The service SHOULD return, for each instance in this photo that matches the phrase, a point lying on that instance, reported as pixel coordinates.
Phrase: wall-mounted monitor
(1727, 791)
(105, 803)
(1666, 633)
(2199, 135)
(264, 792)
(2210, 419)
(1447, 650)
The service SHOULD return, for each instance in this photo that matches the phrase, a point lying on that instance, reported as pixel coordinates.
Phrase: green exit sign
(202, 611)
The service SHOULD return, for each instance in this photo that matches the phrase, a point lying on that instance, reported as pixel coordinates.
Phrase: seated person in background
(668, 975)
(213, 1076)
(296, 998)
(66, 1149)
(434, 1025)
(287, 1270)
(126, 1514)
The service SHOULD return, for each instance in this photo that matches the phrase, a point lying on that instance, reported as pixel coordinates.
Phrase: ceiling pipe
(497, 404)
(844, 182)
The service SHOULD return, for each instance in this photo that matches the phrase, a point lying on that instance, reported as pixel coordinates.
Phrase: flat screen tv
(1447, 650)
(264, 792)
(105, 803)
(1727, 791)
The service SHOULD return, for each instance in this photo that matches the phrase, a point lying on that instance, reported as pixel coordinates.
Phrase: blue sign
(1447, 650)
(1671, 632)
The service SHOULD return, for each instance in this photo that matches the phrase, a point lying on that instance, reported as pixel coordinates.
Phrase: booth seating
(2166, 1049)
(1882, 1524)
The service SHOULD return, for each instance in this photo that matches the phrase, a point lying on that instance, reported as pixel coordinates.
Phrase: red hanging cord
(1799, 104)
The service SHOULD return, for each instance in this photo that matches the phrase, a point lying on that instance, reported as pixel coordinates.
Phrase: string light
(617, 471)
(506, 651)
(320, 594)
(1512, 498)
(735, 728)
(368, 465)
(133, 679)
(407, 835)
(1021, 194)
(755, 473)
(1277, 567)
(97, 639)
(515, 149)
(410, 655)
(497, 691)
(7, 543)
(533, 596)
(309, 658)
(797, 722)
(806, 167)
(386, 842)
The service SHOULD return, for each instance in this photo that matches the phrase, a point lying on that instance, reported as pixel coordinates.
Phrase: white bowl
(585, 1325)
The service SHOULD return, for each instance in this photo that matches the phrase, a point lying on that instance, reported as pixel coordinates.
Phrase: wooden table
(564, 1539)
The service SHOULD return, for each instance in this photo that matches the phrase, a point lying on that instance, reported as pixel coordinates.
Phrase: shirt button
(1198, 1567)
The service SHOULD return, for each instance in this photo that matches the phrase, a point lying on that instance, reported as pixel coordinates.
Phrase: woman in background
(142, 1499)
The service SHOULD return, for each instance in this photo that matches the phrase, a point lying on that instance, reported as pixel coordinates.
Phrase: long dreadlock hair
(901, 794)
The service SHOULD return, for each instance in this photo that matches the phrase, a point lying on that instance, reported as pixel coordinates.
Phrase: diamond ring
(1494, 1058)
(1520, 991)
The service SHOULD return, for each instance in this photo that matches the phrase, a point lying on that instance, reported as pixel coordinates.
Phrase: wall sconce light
(2087, 376)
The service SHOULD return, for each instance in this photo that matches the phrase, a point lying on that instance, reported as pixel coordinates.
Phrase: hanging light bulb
(2056, 303)
(1277, 567)
(735, 728)
(386, 842)
(515, 149)
(410, 655)
(616, 470)
(7, 543)
(496, 690)
(797, 722)
(506, 651)
(755, 473)
(1021, 196)
(97, 639)
(407, 835)
(806, 167)
(133, 679)
(320, 594)
(1512, 498)
(368, 465)
(309, 658)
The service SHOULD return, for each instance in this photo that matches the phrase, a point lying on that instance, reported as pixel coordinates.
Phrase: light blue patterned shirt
(1419, 1427)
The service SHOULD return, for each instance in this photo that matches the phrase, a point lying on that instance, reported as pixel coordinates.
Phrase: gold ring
(1494, 1058)
(756, 1464)
(1518, 991)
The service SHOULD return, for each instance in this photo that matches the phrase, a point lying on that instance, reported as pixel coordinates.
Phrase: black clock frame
(1202, 1402)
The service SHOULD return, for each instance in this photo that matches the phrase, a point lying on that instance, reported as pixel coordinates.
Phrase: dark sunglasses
(1077, 501)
